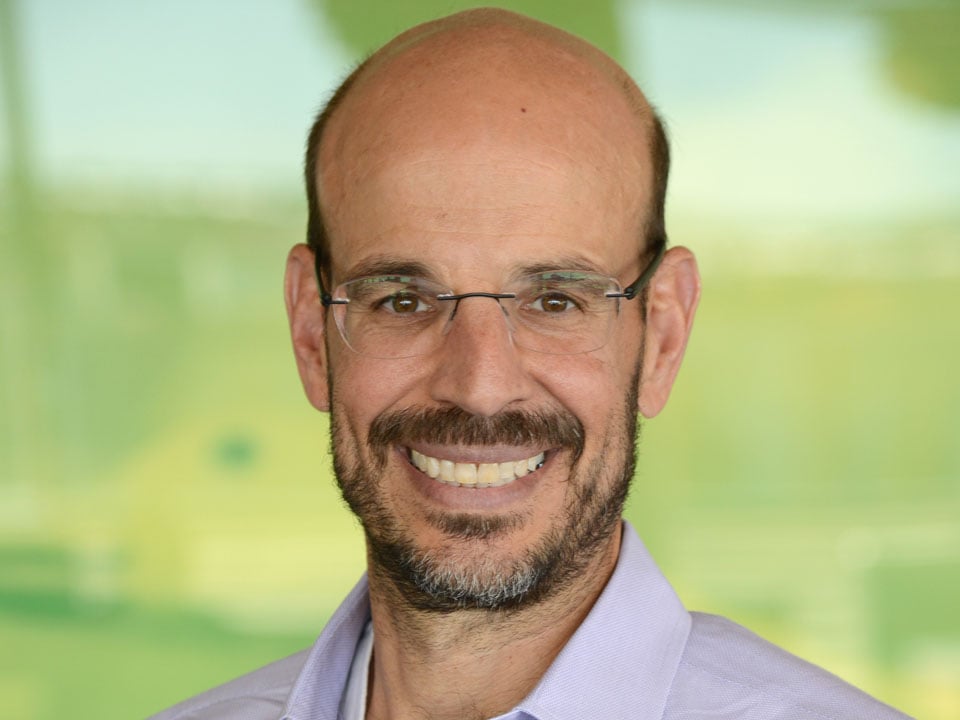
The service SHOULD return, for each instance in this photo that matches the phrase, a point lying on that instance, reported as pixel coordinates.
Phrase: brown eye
(404, 303)
(553, 303)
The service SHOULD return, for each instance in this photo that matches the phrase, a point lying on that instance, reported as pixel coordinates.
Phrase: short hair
(317, 238)
(655, 230)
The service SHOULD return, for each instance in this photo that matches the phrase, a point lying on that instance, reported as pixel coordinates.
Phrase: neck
(471, 664)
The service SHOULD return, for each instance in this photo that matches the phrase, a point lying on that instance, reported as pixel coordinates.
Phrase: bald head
(489, 89)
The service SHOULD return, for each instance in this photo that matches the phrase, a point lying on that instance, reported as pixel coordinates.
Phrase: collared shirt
(353, 704)
(638, 655)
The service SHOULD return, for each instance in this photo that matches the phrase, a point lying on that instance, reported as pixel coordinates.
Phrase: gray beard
(430, 580)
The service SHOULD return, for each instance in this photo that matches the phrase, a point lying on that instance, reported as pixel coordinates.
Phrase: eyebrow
(564, 262)
(389, 265)
(386, 265)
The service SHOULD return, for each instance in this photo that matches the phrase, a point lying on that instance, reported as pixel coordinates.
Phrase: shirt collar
(317, 692)
(619, 663)
(622, 659)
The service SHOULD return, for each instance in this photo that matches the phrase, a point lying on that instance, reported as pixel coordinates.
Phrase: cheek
(592, 387)
(371, 386)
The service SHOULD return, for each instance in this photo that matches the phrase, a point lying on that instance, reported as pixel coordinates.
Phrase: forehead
(495, 156)
(484, 217)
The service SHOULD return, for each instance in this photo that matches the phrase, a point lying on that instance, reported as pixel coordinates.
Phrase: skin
(477, 145)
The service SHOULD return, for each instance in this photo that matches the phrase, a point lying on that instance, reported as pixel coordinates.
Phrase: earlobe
(671, 306)
(306, 316)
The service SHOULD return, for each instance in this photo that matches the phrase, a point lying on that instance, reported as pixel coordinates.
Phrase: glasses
(560, 312)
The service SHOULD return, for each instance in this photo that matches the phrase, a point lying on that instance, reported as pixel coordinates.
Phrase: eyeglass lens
(559, 313)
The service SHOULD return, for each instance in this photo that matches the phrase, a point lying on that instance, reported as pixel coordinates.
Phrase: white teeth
(446, 472)
(488, 474)
(472, 474)
(419, 460)
(465, 473)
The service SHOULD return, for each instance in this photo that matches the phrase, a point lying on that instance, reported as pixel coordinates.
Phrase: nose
(478, 367)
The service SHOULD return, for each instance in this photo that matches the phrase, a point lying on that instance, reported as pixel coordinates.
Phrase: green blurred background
(167, 514)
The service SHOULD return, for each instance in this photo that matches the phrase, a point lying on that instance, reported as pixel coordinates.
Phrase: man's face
(474, 215)
(476, 154)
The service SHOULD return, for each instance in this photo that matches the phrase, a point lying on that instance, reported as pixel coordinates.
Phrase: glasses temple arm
(630, 292)
(326, 299)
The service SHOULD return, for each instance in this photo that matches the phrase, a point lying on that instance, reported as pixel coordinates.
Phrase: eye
(554, 303)
(404, 303)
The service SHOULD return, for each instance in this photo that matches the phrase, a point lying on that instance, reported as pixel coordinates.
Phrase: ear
(671, 304)
(307, 322)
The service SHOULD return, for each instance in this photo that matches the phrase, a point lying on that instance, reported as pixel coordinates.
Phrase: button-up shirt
(638, 655)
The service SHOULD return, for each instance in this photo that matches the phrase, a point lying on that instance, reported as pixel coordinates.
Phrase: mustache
(455, 426)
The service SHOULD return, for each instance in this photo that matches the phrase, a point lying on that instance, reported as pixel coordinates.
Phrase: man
(484, 306)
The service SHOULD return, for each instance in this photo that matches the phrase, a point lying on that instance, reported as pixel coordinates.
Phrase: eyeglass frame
(628, 293)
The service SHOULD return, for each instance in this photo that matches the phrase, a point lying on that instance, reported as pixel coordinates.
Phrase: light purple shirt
(638, 655)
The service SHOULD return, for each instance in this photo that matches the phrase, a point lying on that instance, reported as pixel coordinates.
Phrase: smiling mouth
(474, 475)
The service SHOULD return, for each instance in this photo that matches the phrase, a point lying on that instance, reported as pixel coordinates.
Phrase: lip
(466, 499)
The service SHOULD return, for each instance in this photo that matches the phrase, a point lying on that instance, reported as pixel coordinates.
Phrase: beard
(443, 580)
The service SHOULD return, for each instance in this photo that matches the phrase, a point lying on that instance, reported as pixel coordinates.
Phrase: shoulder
(725, 668)
(259, 695)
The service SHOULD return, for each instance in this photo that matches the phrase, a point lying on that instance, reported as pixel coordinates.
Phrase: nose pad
(459, 298)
